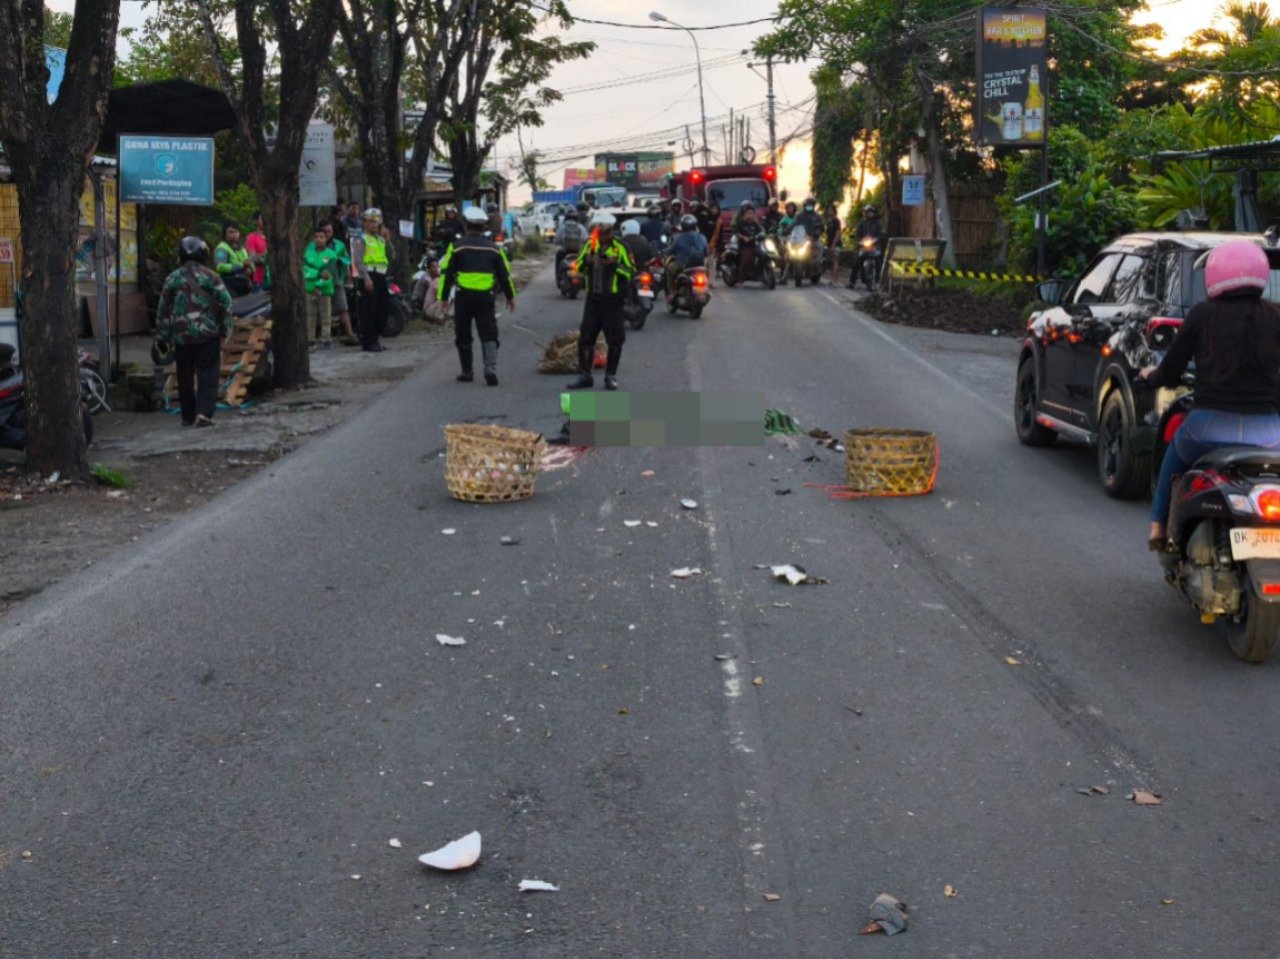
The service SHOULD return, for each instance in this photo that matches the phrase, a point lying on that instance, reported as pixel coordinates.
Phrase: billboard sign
(317, 182)
(635, 171)
(575, 175)
(164, 169)
(1010, 104)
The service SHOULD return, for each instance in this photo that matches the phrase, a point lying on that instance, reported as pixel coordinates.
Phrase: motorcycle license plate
(1255, 543)
(645, 294)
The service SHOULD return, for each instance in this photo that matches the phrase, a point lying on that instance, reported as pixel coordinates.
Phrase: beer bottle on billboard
(1033, 114)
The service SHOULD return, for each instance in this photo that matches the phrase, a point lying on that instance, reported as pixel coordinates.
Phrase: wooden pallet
(242, 351)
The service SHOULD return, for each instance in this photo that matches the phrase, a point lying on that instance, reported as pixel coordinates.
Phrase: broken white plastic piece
(684, 572)
(537, 885)
(459, 854)
(789, 574)
(631, 523)
(444, 640)
(689, 503)
(394, 843)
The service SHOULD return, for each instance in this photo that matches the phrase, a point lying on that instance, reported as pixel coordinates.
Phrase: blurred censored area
(666, 419)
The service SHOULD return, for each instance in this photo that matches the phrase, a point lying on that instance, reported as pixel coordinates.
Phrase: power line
(649, 26)
(669, 73)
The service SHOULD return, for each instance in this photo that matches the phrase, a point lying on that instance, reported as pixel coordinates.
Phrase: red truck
(726, 185)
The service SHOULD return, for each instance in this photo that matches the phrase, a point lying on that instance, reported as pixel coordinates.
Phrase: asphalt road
(207, 739)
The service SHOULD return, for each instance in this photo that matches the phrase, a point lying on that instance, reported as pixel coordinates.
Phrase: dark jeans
(237, 284)
(1205, 430)
(601, 313)
(469, 305)
(373, 309)
(198, 378)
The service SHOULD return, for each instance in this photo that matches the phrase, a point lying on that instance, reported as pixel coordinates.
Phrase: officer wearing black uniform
(478, 268)
(606, 270)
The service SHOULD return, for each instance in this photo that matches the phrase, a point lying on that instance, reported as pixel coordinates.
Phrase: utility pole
(770, 100)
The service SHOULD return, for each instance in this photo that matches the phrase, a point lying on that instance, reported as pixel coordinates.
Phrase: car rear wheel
(1124, 473)
(1253, 639)
(1026, 399)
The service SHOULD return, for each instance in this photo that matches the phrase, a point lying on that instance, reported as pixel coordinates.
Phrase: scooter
(639, 302)
(398, 311)
(803, 259)
(691, 292)
(1223, 552)
(568, 280)
(869, 262)
(13, 402)
(765, 268)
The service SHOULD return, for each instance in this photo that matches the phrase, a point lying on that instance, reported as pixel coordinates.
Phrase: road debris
(772, 897)
(949, 891)
(888, 915)
(1144, 798)
(537, 885)
(26, 855)
(648, 473)
(448, 532)
(758, 681)
(782, 492)
(1167, 902)
(631, 523)
(459, 854)
(689, 503)
(510, 541)
(1012, 661)
(446, 640)
(684, 572)
(394, 843)
(651, 524)
(723, 657)
(792, 575)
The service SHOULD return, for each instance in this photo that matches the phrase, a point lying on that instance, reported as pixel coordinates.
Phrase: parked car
(1081, 354)
(541, 219)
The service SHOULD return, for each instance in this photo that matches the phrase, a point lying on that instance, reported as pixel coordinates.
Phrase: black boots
(610, 381)
(584, 382)
(611, 367)
(464, 357)
(490, 351)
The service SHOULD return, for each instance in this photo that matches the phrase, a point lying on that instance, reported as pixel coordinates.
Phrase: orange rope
(842, 492)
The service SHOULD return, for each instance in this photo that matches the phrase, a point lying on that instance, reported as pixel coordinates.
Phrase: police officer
(371, 259)
(606, 270)
(194, 316)
(478, 268)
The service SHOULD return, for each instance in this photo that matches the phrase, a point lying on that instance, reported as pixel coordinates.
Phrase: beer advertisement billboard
(1009, 108)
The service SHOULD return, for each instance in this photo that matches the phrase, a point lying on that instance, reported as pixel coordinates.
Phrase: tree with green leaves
(49, 144)
(838, 118)
(1236, 71)
(274, 139)
(500, 81)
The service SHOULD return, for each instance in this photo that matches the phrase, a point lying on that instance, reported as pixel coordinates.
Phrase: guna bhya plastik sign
(1010, 104)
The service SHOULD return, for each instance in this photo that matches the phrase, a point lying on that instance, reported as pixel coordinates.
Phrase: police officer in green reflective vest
(478, 268)
(371, 258)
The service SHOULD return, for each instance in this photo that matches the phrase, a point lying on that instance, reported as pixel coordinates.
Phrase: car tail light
(1271, 589)
(8, 391)
(1267, 501)
(770, 173)
(1171, 427)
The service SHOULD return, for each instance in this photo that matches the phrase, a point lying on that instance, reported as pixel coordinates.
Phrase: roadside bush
(533, 245)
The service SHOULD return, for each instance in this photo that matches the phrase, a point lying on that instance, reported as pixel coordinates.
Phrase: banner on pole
(913, 190)
(1010, 105)
(317, 179)
(164, 169)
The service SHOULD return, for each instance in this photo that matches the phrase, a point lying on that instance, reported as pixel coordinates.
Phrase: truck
(593, 194)
(727, 186)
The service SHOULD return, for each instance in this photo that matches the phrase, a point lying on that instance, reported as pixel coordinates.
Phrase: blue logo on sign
(166, 164)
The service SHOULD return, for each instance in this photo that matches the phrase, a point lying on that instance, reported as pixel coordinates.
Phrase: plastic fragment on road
(510, 541)
(1143, 797)
(460, 854)
(689, 503)
(684, 572)
(1012, 661)
(448, 532)
(537, 885)
(631, 523)
(394, 843)
(772, 897)
(778, 423)
(793, 575)
(888, 915)
(445, 640)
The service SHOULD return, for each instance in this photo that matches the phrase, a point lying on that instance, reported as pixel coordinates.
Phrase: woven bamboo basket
(561, 355)
(491, 464)
(886, 462)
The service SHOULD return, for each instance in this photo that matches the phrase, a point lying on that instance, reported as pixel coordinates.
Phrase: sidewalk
(62, 527)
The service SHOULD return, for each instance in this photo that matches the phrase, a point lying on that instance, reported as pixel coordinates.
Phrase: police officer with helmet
(478, 268)
(371, 260)
(606, 269)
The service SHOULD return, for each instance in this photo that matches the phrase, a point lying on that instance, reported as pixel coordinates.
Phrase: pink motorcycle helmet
(1236, 266)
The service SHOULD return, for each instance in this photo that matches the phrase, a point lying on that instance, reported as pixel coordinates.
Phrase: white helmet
(631, 228)
(473, 214)
(606, 221)
(373, 215)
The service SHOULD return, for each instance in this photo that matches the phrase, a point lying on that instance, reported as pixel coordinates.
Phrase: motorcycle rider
(772, 218)
(746, 230)
(478, 267)
(673, 219)
(570, 235)
(641, 249)
(834, 239)
(493, 218)
(606, 269)
(652, 228)
(449, 230)
(869, 226)
(689, 249)
(1234, 339)
(194, 316)
(814, 228)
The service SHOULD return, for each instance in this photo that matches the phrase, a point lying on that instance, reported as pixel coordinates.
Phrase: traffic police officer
(477, 267)
(371, 261)
(606, 270)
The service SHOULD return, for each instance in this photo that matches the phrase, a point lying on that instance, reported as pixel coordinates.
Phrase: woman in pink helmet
(1234, 338)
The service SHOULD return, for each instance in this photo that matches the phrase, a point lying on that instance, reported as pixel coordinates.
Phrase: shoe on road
(583, 382)
(610, 382)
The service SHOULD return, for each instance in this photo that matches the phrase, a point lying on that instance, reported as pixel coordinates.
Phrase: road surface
(207, 740)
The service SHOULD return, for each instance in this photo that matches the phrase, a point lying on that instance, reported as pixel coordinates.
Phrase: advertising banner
(635, 171)
(317, 181)
(164, 169)
(575, 175)
(1010, 104)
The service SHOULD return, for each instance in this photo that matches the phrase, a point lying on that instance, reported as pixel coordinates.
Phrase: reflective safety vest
(375, 251)
(476, 264)
(227, 258)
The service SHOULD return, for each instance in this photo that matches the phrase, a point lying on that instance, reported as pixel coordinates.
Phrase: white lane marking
(874, 327)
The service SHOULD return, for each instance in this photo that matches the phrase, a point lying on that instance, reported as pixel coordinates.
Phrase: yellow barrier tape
(920, 269)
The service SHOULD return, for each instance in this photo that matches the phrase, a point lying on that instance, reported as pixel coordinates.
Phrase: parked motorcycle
(639, 302)
(804, 259)
(1224, 538)
(765, 268)
(399, 312)
(869, 263)
(13, 402)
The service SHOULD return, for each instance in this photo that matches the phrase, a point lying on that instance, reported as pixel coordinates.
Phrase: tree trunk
(938, 179)
(49, 208)
(290, 339)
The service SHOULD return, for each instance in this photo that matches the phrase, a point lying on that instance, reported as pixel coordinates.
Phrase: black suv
(1080, 356)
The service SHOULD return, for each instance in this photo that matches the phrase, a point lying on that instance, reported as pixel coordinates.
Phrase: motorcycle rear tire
(770, 278)
(799, 280)
(573, 294)
(86, 423)
(730, 279)
(1253, 640)
(397, 316)
(695, 311)
(636, 320)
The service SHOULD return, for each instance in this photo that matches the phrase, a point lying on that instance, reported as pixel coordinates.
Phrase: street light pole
(702, 103)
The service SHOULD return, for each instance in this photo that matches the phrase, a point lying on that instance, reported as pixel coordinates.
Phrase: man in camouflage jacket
(194, 316)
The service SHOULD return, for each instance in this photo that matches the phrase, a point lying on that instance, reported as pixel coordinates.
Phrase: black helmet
(571, 215)
(653, 212)
(581, 207)
(810, 202)
(790, 207)
(688, 222)
(870, 212)
(192, 249)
